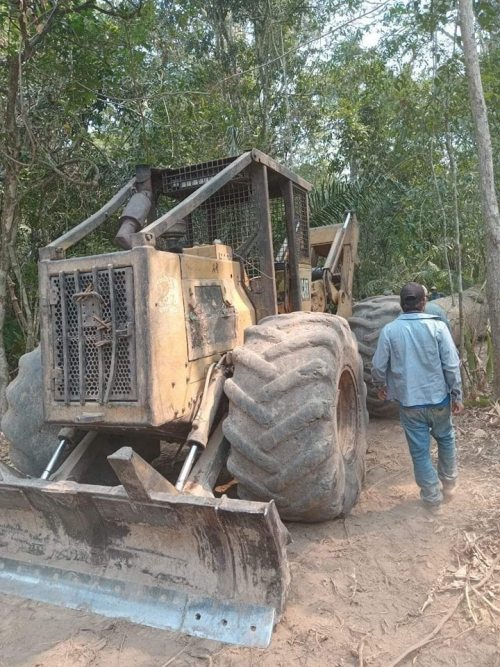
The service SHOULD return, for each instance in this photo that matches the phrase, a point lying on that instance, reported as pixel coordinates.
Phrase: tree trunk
(445, 221)
(27, 320)
(9, 210)
(458, 248)
(489, 203)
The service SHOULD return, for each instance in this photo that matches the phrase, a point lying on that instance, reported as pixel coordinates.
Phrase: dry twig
(180, 652)
(360, 652)
(385, 479)
(426, 604)
(467, 597)
(423, 642)
(485, 599)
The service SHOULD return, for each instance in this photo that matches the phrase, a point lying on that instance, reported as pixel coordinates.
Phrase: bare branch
(15, 305)
(35, 41)
(75, 181)
(22, 22)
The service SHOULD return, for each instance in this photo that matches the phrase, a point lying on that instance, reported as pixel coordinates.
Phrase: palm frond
(332, 198)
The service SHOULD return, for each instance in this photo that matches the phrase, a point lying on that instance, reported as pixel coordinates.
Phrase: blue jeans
(419, 424)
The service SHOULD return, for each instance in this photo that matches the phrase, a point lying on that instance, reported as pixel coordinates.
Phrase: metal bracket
(77, 462)
(139, 479)
(142, 239)
(50, 253)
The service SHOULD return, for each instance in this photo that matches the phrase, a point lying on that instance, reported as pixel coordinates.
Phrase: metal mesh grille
(278, 221)
(229, 216)
(301, 226)
(177, 181)
(300, 206)
(97, 327)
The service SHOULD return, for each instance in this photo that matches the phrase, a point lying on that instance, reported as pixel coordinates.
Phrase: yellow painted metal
(305, 285)
(214, 251)
(170, 366)
(318, 297)
(321, 239)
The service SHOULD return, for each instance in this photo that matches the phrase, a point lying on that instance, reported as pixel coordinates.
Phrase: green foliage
(332, 198)
(178, 83)
(14, 340)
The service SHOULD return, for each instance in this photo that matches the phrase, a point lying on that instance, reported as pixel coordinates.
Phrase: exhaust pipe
(137, 209)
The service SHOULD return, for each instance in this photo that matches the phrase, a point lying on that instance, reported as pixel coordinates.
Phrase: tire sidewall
(352, 462)
(32, 441)
(333, 486)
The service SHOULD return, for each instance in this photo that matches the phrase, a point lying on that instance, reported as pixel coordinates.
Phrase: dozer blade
(208, 567)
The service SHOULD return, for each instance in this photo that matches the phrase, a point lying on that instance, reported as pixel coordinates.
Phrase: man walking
(416, 363)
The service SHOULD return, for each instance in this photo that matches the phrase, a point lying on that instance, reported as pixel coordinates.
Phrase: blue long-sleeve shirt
(417, 361)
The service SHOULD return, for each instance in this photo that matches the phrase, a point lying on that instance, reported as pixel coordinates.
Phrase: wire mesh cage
(230, 215)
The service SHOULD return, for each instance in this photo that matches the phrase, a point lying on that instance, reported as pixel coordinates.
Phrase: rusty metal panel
(217, 309)
(134, 410)
(210, 319)
(215, 251)
(323, 237)
(168, 380)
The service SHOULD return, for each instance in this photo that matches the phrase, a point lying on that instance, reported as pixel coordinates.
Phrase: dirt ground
(364, 589)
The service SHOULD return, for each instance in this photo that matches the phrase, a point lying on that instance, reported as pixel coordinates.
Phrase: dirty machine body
(137, 344)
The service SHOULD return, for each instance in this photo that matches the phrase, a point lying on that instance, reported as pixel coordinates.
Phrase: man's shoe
(433, 508)
(448, 492)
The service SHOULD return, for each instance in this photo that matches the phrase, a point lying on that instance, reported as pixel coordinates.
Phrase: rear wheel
(368, 319)
(297, 417)
(32, 441)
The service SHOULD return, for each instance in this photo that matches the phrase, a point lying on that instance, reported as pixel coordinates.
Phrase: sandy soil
(364, 589)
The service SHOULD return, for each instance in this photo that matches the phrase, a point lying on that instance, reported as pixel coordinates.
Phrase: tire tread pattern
(369, 318)
(282, 402)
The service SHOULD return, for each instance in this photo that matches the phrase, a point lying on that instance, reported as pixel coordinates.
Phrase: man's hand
(382, 393)
(457, 408)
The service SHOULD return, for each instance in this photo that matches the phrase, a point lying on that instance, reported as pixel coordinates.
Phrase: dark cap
(412, 294)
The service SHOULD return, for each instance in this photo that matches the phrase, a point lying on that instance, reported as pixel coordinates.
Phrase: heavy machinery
(183, 336)
(333, 256)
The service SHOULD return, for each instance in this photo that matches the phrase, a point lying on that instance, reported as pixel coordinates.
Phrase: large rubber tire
(297, 417)
(32, 441)
(368, 319)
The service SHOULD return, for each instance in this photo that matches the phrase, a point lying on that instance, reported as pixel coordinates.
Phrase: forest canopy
(367, 100)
